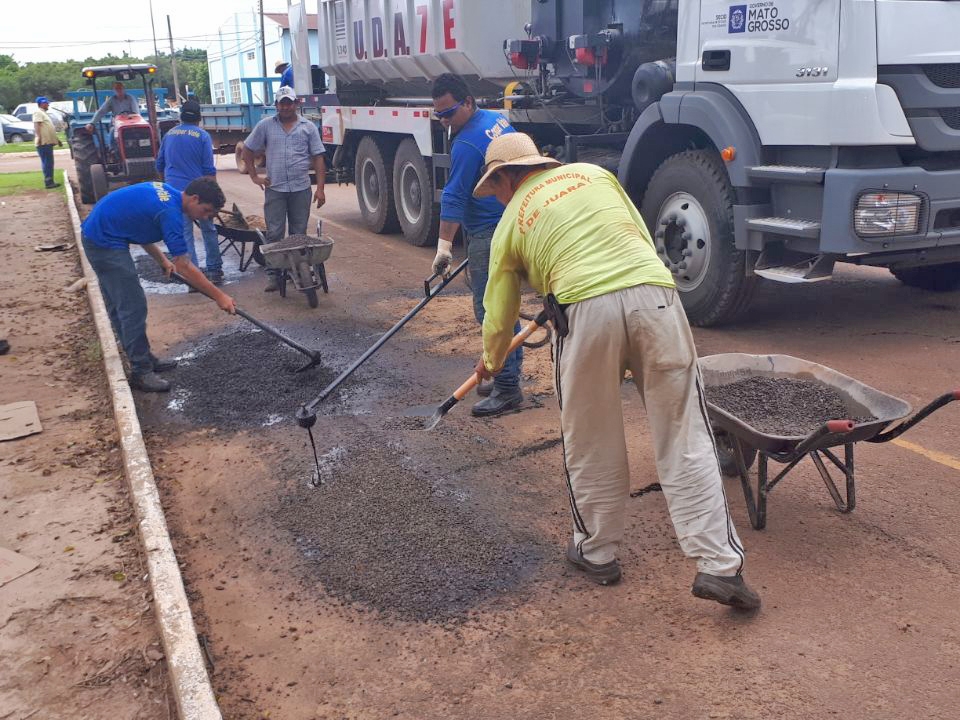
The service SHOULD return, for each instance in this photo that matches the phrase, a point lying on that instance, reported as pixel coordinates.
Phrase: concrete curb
(192, 691)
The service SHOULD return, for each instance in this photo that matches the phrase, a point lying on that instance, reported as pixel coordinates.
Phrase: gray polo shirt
(115, 105)
(289, 154)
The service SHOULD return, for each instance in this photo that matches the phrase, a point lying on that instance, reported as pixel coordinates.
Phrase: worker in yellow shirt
(575, 236)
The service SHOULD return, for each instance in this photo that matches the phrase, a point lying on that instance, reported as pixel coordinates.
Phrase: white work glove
(444, 258)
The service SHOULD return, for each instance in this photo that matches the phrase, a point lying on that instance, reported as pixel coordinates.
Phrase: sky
(73, 30)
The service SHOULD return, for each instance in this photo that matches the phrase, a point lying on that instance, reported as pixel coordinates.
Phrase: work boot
(500, 401)
(273, 283)
(164, 365)
(50, 186)
(607, 573)
(215, 276)
(732, 591)
(484, 389)
(149, 382)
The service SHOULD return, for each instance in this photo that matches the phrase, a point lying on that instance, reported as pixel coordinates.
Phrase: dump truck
(763, 140)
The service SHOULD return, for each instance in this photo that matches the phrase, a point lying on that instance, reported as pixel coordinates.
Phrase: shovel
(461, 392)
(314, 355)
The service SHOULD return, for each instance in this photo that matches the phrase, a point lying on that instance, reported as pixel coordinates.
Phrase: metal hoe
(461, 392)
(307, 413)
(314, 355)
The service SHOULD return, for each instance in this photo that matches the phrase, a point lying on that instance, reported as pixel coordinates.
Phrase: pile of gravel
(244, 379)
(385, 536)
(782, 406)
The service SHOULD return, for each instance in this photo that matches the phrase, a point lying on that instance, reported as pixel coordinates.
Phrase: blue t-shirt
(286, 78)
(457, 204)
(186, 153)
(139, 214)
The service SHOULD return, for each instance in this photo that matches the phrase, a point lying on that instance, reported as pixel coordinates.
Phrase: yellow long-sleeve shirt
(571, 231)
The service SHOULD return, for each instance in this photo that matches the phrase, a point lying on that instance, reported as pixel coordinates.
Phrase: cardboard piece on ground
(13, 565)
(18, 420)
(53, 248)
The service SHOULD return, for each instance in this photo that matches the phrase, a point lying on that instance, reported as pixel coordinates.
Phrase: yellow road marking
(937, 457)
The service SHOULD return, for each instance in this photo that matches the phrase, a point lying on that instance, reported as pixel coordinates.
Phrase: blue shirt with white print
(457, 204)
(139, 214)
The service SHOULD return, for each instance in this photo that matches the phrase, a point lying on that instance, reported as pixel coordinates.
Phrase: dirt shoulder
(77, 634)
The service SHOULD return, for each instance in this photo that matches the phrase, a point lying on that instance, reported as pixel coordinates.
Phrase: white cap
(285, 93)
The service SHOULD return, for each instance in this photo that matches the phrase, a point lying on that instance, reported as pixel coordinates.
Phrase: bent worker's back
(578, 235)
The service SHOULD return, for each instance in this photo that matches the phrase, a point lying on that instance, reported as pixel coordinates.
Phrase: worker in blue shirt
(144, 214)
(286, 73)
(473, 128)
(186, 154)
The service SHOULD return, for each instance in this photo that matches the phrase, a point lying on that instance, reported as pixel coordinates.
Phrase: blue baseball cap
(41, 100)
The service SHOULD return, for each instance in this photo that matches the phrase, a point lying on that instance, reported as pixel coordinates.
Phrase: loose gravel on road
(381, 534)
(782, 406)
(243, 379)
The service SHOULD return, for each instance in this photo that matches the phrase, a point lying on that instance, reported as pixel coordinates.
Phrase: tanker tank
(382, 49)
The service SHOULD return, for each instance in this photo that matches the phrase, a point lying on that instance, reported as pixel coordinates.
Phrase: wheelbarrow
(232, 226)
(300, 259)
(739, 444)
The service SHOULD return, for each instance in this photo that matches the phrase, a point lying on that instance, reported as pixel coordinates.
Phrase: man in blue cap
(186, 154)
(46, 139)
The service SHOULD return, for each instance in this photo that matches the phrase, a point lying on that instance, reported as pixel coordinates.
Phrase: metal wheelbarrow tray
(738, 443)
(300, 258)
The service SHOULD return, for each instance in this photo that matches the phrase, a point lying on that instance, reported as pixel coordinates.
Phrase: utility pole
(173, 61)
(153, 29)
(263, 55)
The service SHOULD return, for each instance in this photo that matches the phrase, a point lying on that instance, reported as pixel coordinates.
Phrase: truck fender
(710, 112)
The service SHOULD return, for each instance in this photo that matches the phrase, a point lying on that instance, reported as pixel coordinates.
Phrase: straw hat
(279, 65)
(512, 149)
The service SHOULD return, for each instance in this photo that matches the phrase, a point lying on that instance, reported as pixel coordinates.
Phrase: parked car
(59, 118)
(15, 130)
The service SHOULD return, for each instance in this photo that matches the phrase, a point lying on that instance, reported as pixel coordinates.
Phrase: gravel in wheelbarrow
(782, 406)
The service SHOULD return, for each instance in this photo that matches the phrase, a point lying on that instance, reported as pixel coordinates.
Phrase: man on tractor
(119, 103)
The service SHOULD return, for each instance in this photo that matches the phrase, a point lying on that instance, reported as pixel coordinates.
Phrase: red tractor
(124, 148)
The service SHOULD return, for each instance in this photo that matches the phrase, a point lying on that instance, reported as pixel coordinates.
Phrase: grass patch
(29, 146)
(13, 183)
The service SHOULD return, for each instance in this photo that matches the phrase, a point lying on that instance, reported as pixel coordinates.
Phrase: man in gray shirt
(292, 146)
(117, 104)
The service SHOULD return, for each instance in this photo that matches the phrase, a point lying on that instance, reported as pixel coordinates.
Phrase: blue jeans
(478, 252)
(46, 162)
(211, 243)
(125, 301)
(285, 213)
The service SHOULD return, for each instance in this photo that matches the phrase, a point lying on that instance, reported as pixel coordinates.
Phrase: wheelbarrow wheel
(257, 256)
(305, 273)
(727, 454)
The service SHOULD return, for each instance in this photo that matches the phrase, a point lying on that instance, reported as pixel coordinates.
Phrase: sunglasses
(449, 112)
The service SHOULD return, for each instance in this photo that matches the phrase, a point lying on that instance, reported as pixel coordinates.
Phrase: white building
(237, 54)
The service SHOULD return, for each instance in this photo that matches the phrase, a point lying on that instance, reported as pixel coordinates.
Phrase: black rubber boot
(149, 382)
(484, 389)
(732, 591)
(498, 402)
(607, 573)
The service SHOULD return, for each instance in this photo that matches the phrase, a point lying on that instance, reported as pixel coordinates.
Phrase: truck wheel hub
(682, 239)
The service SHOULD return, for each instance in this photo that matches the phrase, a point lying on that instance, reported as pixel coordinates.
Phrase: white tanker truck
(767, 139)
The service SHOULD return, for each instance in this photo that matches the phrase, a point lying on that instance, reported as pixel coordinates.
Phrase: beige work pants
(644, 329)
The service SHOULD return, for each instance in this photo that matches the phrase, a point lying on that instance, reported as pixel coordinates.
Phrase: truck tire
(939, 278)
(418, 214)
(98, 179)
(84, 155)
(372, 174)
(688, 207)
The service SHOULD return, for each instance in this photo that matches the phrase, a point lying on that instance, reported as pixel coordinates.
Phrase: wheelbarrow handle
(831, 427)
(920, 415)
